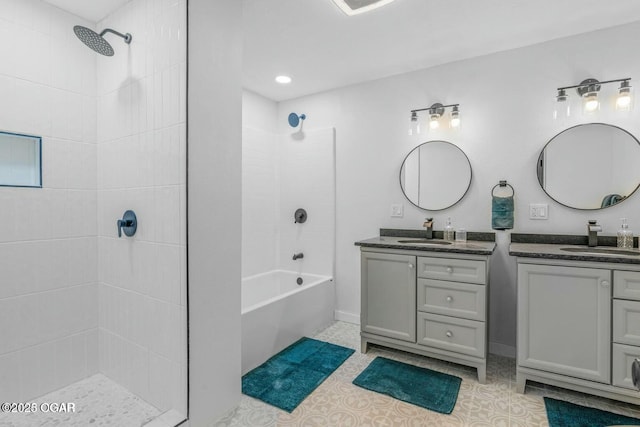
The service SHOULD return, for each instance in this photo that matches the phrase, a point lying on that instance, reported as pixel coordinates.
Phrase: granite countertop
(555, 251)
(394, 242)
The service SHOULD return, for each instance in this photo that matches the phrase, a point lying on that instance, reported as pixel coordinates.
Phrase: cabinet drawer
(626, 322)
(626, 284)
(458, 270)
(452, 299)
(453, 334)
(623, 357)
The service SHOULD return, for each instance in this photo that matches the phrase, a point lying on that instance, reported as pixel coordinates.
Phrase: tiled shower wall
(141, 166)
(281, 173)
(48, 243)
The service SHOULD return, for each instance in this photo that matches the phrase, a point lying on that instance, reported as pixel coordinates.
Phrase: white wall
(48, 245)
(260, 185)
(215, 207)
(506, 103)
(141, 166)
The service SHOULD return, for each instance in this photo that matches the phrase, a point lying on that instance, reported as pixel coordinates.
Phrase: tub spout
(298, 256)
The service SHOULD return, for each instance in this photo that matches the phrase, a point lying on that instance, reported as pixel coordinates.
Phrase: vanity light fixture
(436, 112)
(589, 90)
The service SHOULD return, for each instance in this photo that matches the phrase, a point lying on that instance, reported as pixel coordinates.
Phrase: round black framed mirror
(590, 166)
(435, 175)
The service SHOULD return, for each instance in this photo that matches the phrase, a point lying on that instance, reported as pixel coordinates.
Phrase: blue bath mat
(420, 386)
(290, 376)
(565, 414)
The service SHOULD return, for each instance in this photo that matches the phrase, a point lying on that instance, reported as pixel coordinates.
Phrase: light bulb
(415, 124)
(591, 102)
(623, 101)
(434, 123)
(414, 129)
(455, 117)
(562, 107)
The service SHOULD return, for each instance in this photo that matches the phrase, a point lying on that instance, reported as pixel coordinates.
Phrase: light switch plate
(397, 211)
(538, 211)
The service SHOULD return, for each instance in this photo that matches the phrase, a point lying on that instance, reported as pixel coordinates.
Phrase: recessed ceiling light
(354, 7)
(283, 80)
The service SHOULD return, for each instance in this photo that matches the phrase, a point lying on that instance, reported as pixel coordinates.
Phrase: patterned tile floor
(337, 402)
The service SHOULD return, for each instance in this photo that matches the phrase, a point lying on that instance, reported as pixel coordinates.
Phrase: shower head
(96, 41)
(294, 119)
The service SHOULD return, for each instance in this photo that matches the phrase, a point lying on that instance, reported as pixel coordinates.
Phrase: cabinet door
(564, 320)
(389, 295)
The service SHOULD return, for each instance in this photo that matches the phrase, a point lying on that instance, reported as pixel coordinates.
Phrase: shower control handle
(128, 224)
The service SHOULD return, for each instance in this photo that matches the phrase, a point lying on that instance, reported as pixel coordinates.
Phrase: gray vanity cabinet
(389, 299)
(564, 320)
(428, 303)
(579, 325)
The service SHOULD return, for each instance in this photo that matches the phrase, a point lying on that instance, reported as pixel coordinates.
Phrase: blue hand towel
(501, 213)
(610, 200)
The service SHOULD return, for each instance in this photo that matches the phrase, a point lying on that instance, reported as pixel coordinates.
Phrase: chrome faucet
(593, 229)
(298, 256)
(428, 224)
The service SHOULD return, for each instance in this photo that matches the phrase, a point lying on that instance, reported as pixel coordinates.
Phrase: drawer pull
(449, 298)
(449, 270)
(449, 334)
(410, 265)
(605, 283)
(635, 373)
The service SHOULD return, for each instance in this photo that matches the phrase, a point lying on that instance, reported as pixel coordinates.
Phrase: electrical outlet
(538, 211)
(397, 211)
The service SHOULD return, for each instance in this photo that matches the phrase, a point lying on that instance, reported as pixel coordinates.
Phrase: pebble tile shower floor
(337, 402)
(98, 402)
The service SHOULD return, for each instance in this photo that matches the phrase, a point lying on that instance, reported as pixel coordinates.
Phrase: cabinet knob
(605, 283)
(449, 334)
(410, 265)
(449, 270)
(449, 298)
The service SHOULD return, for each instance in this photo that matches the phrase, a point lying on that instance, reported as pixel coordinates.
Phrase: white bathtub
(276, 312)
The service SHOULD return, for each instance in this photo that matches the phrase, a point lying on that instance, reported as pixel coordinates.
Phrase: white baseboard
(502, 349)
(346, 317)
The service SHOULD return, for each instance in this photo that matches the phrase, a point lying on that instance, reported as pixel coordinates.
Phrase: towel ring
(503, 184)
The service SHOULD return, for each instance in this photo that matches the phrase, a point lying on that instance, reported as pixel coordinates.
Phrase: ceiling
(321, 48)
(92, 10)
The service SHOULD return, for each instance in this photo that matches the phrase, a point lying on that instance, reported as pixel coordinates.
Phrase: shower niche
(20, 160)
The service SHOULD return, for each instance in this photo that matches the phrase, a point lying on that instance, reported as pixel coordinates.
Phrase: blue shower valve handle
(128, 224)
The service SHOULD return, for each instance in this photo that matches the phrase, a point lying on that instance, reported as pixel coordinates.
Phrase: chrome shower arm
(126, 37)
